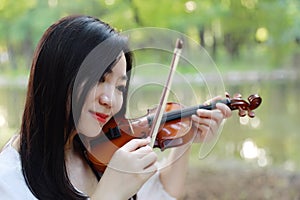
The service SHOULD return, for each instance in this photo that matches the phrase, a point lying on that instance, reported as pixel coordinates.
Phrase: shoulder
(10, 161)
(11, 176)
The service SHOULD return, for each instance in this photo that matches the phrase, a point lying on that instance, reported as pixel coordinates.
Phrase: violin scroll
(244, 107)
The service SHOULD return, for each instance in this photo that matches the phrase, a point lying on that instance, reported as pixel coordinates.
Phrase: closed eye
(121, 88)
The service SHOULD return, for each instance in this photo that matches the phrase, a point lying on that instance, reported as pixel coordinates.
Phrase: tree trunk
(201, 36)
(11, 56)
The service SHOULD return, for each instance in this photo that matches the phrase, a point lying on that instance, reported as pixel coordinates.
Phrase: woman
(78, 82)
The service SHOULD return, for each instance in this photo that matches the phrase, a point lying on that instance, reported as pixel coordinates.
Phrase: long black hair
(48, 117)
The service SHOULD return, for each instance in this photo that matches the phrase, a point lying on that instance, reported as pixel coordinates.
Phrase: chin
(90, 132)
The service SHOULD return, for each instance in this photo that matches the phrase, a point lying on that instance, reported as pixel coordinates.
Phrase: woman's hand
(207, 122)
(129, 168)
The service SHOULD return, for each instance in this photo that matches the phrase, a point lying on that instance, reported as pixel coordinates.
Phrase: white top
(13, 185)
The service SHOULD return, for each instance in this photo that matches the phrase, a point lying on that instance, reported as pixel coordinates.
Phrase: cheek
(118, 102)
(87, 125)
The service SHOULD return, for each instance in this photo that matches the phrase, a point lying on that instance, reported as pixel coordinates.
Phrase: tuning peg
(242, 113)
(237, 96)
(251, 113)
(227, 95)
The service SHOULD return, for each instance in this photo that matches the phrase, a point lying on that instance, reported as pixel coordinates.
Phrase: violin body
(119, 131)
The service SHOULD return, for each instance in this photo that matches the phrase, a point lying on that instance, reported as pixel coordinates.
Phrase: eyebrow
(122, 78)
(109, 70)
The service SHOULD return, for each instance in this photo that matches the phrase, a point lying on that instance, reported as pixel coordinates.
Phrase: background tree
(240, 30)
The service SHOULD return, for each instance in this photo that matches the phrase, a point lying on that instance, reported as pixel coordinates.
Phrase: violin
(175, 128)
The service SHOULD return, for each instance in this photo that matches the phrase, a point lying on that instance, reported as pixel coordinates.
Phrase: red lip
(100, 117)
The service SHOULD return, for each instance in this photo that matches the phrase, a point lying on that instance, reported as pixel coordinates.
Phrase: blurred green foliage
(264, 32)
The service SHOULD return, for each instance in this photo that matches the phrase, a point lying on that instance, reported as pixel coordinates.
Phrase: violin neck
(187, 112)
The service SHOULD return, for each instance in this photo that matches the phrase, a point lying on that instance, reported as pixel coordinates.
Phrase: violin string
(186, 112)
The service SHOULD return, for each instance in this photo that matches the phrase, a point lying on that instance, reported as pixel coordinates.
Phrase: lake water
(270, 139)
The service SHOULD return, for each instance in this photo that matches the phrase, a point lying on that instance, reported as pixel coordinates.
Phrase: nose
(105, 100)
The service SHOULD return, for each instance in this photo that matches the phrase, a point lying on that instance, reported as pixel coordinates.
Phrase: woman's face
(104, 100)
